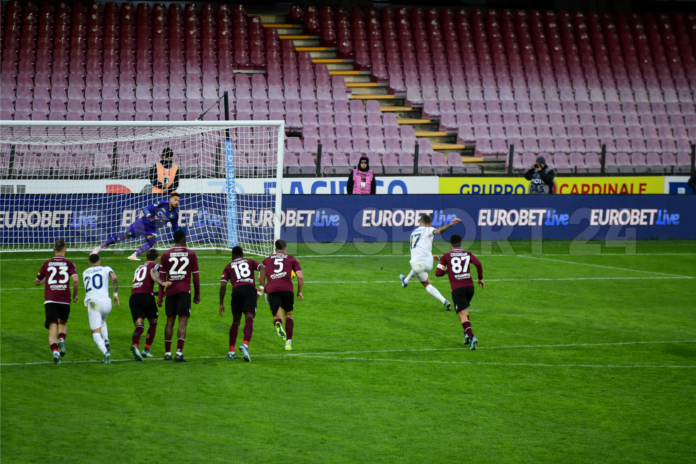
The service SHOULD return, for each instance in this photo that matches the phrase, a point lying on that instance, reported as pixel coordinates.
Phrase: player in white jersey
(422, 257)
(96, 280)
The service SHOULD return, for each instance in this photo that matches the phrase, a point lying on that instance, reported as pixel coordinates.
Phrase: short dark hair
(94, 259)
(152, 254)
(426, 219)
(281, 244)
(174, 194)
(237, 252)
(167, 153)
(179, 236)
(59, 245)
(456, 240)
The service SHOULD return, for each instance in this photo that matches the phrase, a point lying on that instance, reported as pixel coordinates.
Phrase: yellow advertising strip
(570, 185)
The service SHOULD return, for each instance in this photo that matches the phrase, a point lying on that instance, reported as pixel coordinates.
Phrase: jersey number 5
(175, 264)
(278, 262)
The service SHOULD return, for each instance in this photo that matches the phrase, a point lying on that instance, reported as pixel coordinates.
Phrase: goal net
(86, 182)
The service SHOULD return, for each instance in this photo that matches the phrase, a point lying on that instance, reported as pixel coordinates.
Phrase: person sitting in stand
(362, 180)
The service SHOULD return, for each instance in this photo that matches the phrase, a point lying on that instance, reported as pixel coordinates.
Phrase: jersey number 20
(96, 281)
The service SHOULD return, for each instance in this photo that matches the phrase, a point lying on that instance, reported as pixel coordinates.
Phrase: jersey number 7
(414, 240)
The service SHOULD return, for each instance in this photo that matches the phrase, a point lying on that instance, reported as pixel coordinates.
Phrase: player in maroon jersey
(456, 264)
(240, 273)
(177, 265)
(279, 269)
(143, 305)
(56, 274)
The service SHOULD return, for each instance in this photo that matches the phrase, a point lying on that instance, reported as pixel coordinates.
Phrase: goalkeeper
(156, 215)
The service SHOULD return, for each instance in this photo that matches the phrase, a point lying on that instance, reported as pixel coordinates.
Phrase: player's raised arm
(443, 228)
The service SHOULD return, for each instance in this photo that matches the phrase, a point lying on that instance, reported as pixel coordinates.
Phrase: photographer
(542, 178)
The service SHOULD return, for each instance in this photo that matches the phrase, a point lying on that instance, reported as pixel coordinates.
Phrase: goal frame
(230, 183)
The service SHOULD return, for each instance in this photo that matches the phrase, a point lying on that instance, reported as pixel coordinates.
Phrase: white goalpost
(86, 181)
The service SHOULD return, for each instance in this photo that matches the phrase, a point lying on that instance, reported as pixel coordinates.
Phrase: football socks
(435, 293)
(100, 342)
(137, 334)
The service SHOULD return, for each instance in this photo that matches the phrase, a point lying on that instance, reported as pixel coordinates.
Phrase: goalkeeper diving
(156, 215)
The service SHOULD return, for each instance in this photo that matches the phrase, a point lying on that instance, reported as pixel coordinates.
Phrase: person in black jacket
(692, 183)
(541, 176)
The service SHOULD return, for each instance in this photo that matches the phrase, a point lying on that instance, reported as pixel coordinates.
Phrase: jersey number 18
(241, 269)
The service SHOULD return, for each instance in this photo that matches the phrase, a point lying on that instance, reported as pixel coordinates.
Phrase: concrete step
(298, 37)
(436, 137)
(358, 88)
(335, 64)
(315, 48)
(402, 112)
(448, 147)
(270, 20)
(372, 96)
(302, 44)
(285, 29)
(350, 73)
(324, 55)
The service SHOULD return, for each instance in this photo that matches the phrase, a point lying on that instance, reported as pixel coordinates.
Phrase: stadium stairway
(362, 87)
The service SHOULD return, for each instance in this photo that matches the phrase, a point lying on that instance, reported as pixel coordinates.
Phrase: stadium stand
(362, 81)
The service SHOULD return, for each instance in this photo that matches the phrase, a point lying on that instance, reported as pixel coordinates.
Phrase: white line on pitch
(612, 255)
(560, 279)
(407, 350)
(473, 363)
(601, 265)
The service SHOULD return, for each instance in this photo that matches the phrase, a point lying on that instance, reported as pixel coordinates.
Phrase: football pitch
(581, 358)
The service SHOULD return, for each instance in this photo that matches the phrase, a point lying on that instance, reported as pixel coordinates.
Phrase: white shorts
(421, 269)
(98, 311)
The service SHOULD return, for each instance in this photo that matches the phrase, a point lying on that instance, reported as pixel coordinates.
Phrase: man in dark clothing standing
(164, 175)
(362, 180)
(541, 176)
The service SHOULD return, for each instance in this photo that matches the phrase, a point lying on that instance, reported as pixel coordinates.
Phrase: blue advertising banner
(90, 218)
(487, 217)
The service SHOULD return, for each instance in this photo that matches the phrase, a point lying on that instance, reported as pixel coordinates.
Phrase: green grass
(379, 373)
